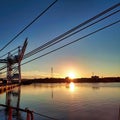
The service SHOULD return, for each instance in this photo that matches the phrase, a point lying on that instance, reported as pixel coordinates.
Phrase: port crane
(13, 63)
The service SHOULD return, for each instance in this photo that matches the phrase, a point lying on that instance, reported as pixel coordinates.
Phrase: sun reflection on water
(72, 87)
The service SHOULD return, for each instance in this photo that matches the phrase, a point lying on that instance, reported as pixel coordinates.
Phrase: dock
(4, 88)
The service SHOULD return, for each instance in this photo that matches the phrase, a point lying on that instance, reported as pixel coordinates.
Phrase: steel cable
(43, 47)
(28, 25)
(72, 42)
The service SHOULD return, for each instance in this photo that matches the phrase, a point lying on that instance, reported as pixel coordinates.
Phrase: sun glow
(71, 75)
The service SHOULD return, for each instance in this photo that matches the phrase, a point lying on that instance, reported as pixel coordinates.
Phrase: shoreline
(77, 80)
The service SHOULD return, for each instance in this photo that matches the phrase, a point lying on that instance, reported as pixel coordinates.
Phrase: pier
(4, 88)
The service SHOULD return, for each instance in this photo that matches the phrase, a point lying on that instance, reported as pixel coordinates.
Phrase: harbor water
(65, 101)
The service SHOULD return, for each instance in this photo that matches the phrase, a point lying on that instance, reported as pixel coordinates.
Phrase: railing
(10, 110)
(29, 116)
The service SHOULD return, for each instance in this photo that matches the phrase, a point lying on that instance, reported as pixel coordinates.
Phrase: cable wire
(28, 25)
(42, 48)
(54, 41)
(59, 40)
(78, 26)
(10, 51)
(3, 67)
(100, 29)
(72, 42)
(71, 30)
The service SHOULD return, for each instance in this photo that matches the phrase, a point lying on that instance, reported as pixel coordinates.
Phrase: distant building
(95, 77)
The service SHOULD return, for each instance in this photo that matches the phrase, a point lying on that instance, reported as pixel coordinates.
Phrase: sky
(98, 54)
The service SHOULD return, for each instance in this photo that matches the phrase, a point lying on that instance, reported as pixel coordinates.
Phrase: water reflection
(52, 93)
(95, 86)
(69, 101)
(12, 98)
(71, 86)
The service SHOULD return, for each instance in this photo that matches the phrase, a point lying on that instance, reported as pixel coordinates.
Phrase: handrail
(10, 108)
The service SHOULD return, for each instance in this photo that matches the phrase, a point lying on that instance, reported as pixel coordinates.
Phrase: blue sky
(99, 53)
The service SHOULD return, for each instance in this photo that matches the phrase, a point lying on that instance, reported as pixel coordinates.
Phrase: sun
(71, 75)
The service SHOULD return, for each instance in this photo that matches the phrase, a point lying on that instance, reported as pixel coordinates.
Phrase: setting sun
(71, 75)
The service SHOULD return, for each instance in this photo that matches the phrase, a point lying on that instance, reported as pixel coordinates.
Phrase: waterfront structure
(13, 71)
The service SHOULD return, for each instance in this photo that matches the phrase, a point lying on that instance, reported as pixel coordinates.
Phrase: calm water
(75, 101)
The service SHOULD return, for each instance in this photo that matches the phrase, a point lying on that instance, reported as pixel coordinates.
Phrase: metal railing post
(31, 115)
(10, 113)
(28, 116)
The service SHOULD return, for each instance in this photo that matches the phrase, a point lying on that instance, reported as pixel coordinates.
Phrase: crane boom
(11, 60)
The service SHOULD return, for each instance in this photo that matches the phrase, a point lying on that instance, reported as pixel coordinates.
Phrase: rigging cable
(73, 41)
(42, 48)
(10, 51)
(28, 25)
(100, 29)
(78, 26)
(52, 43)
(38, 50)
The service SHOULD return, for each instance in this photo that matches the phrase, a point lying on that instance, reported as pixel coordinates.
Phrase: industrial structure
(13, 63)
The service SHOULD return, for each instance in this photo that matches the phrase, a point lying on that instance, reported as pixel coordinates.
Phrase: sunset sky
(98, 53)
